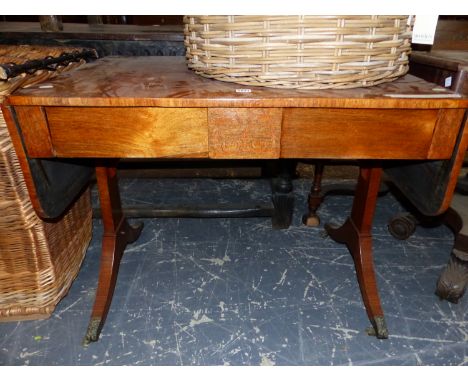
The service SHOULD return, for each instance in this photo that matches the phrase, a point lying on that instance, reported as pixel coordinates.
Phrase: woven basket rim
(302, 52)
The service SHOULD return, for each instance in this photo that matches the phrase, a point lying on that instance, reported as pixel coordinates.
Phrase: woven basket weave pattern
(23, 53)
(302, 52)
(38, 259)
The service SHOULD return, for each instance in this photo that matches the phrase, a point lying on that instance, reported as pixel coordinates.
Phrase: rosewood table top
(167, 82)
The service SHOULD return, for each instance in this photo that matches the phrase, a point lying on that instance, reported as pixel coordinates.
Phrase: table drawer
(136, 132)
(357, 133)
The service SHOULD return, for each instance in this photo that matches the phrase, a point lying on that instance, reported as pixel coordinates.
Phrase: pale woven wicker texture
(38, 259)
(302, 52)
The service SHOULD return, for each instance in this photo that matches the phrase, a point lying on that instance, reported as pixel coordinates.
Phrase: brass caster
(311, 221)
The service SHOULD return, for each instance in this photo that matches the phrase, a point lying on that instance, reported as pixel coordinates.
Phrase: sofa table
(154, 107)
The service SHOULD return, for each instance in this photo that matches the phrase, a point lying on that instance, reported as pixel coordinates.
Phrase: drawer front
(136, 132)
(357, 133)
(237, 133)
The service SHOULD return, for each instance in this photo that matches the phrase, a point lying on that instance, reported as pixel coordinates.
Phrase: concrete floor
(236, 292)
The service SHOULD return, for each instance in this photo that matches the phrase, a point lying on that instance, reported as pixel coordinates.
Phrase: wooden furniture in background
(51, 23)
(448, 68)
(106, 39)
(446, 65)
(451, 33)
(212, 119)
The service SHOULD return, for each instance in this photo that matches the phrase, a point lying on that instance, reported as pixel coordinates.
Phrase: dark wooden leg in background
(356, 234)
(117, 234)
(311, 219)
(282, 195)
(453, 280)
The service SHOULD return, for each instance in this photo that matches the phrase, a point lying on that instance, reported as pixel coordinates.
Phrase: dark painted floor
(236, 292)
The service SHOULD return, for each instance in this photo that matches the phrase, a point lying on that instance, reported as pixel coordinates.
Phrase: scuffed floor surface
(236, 292)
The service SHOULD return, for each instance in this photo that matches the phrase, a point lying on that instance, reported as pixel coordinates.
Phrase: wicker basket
(38, 259)
(299, 52)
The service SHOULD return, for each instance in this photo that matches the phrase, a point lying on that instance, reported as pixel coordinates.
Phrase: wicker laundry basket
(299, 52)
(38, 259)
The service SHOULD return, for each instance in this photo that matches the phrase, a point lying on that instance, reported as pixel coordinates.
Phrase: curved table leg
(453, 280)
(356, 234)
(117, 234)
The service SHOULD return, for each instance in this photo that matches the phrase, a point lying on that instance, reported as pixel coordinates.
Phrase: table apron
(238, 133)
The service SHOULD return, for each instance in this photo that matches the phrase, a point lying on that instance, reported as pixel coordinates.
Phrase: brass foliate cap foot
(379, 328)
(92, 334)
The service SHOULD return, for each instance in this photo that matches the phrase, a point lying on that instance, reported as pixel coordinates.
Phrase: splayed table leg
(356, 234)
(117, 234)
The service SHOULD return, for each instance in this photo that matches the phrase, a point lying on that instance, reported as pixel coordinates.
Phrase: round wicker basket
(299, 52)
